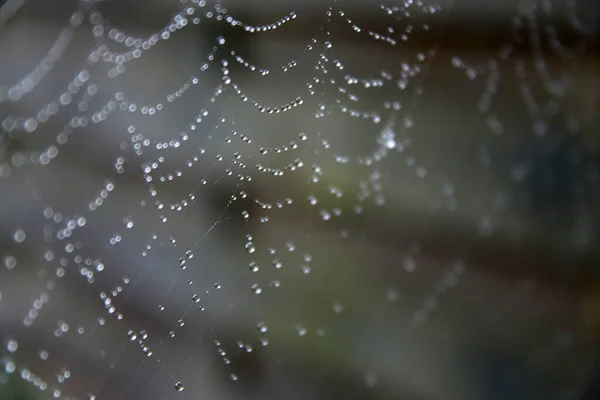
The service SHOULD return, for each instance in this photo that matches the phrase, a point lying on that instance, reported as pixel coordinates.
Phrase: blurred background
(299, 199)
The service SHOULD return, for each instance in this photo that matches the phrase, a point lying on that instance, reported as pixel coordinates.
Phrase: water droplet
(10, 262)
(410, 264)
(31, 125)
(338, 307)
(256, 289)
(392, 295)
(19, 236)
(370, 380)
(12, 346)
(301, 330)
(179, 387)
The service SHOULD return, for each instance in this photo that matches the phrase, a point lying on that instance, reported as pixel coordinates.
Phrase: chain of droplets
(261, 28)
(178, 22)
(250, 248)
(408, 72)
(65, 99)
(62, 327)
(276, 262)
(27, 84)
(448, 281)
(387, 139)
(95, 203)
(87, 267)
(153, 165)
(84, 265)
(148, 167)
(107, 302)
(557, 89)
(298, 101)
(137, 141)
(269, 111)
(170, 176)
(180, 205)
(529, 21)
(262, 71)
(25, 373)
(107, 56)
(255, 287)
(204, 113)
(571, 6)
(27, 376)
(9, 9)
(193, 80)
(50, 152)
(384, 38)
(406, 13)
(137, 45)
(152, 109)
(103, 53)
(525, 25)
(29, 124)
(227, 81)
(261, 107)
(195, 298)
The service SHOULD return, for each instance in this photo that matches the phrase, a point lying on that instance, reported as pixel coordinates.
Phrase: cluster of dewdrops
(27, 375)
(137, 46)
(81, 91)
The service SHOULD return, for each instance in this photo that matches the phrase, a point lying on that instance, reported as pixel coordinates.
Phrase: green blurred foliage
(11, 388)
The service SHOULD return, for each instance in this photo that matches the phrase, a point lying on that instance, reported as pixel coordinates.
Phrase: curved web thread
(273, 258)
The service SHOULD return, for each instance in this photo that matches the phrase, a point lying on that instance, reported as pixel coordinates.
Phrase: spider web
(337, 199)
